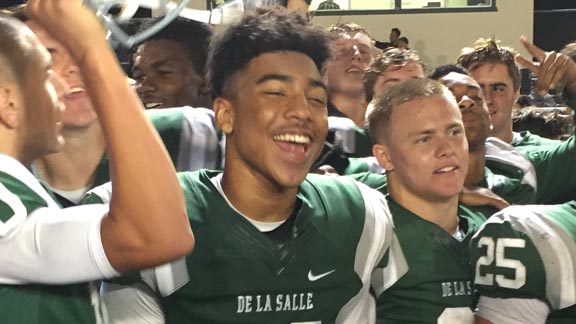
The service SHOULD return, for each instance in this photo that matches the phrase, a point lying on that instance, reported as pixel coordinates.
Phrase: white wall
(440, 36)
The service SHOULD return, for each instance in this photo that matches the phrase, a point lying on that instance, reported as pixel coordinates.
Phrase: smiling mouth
(297, 146)
(446, 169)
(151, 105)
(292, 138)
(354, 71)
(73, 92)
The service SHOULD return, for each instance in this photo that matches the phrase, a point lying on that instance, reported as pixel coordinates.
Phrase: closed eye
(322, 101)
(456, 131)
(423, 139)
(274, 93)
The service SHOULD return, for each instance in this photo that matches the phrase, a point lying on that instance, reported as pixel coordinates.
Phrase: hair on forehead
(15, 47)
(398, 94)
(392, 57)
(487, 51)
(194, 37)
(347, 28)
(259, 32)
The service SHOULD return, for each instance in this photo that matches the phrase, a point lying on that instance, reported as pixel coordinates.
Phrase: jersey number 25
(495, 252)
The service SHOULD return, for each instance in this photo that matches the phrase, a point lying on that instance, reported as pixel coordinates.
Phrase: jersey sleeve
(555, 170)
(53, 246)
(522, 253)
(131, 304)
(377, 243)
(99, 195)
(199, 142)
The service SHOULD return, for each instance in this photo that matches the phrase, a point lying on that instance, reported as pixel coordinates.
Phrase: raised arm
(551, 68)
(147, 223)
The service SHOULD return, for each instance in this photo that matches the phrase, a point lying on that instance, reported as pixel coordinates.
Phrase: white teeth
(153, 104)
(447, 169)
(353, 71)
(76, 89)
(300, 139)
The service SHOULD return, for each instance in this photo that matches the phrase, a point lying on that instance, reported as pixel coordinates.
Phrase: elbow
(176, 243)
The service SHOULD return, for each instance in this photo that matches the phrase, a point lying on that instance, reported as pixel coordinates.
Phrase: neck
(476, 165)
(354, 107)
(257, 198)
(442, 213)
(9, 146)
(73, 166)
(506, 134)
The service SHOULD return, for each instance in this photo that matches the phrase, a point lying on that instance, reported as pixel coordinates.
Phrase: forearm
(147, 223)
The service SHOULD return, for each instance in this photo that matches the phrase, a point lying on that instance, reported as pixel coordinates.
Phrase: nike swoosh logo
(312, 277)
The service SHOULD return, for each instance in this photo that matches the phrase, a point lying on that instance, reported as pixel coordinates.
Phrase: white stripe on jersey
(199, 145)
(377, 238)
(14, 168)
(499, 151)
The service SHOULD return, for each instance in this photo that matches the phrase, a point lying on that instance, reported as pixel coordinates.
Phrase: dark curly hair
(259, 32)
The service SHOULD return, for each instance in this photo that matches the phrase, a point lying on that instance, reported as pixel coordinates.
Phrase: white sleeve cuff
(512, 310)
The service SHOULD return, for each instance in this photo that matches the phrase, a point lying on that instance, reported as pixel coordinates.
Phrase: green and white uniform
(525, 263)
(42, 244)
(189, 135)
(353, 139)
(438, 287)
(314, 268)
(525, 138)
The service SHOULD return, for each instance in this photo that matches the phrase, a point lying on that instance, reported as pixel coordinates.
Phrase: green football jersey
(189, 135)
(317, 267)
(437, 288)
(529, 252)
(36, 304)
(525, 138)
(549, 169)
(353, 139)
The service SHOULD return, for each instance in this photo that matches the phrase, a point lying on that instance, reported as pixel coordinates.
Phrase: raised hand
(551, 68)
(71, 23)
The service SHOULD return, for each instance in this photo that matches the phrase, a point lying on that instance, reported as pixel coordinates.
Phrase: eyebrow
(431, 131)
(494, 84)
(285, 78)
(160, 63)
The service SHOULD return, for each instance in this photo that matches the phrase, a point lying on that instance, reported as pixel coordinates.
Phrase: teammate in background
(524, 259)
(170, 66)
(273, 246)
(494, 68)
(388, 68)
(419, 140)
(189, 134)
(352, 52)
(547, 165)
(477, 124)
(43, 244)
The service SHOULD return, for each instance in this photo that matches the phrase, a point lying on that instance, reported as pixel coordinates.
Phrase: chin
(290, 181)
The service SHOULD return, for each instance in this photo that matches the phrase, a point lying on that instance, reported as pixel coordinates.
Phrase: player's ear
(10, 106)
(224, 113)
(381, 153)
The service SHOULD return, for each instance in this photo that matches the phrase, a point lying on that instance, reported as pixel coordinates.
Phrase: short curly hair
(263, 31)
